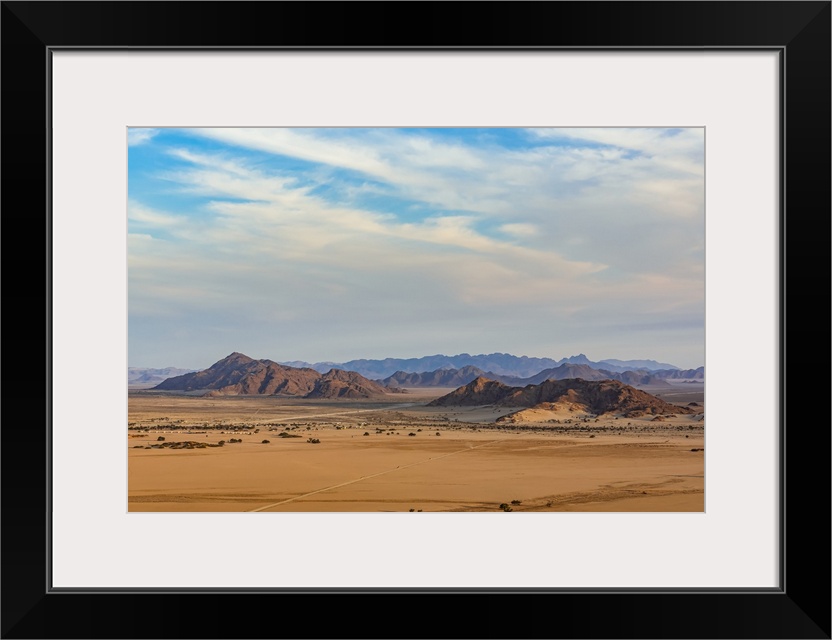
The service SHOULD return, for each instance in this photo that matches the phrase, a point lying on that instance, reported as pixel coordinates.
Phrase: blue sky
(334, 244)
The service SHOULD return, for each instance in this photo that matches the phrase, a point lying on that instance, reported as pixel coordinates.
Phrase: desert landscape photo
(416, 320)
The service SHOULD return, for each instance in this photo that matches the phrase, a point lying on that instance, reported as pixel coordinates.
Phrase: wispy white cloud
(519, 229)
(140, 136)
(549, 241)
(147, 217)
(277, 209)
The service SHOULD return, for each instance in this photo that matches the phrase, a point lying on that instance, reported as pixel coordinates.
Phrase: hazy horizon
(328, 244)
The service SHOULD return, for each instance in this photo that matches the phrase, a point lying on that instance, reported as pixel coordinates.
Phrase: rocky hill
(593, 396)
(237, 374)
(345, 384)
(438, 378)
(565, 371)
(477, 392)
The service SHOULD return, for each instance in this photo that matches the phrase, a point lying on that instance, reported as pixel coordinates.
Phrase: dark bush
(515, 502)
(411, 434)
(160, 439)
(366, 433)
(265, 442)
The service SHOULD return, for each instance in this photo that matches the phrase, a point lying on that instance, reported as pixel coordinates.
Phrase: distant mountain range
(144, 376)
(502, 364)
(593, 396)
(568, 370)
(237, 374)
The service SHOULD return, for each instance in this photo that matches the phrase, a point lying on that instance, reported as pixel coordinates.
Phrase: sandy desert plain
(396, 454)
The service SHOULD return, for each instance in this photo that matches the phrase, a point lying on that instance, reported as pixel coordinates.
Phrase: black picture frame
(799, 31)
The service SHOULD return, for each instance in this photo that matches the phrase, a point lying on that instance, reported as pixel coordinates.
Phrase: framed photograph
(414, 176)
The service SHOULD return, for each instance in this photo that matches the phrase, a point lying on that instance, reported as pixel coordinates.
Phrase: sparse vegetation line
(374, 475)
(344, 413)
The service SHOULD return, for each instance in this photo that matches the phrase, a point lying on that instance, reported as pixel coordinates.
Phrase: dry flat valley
(415, 450)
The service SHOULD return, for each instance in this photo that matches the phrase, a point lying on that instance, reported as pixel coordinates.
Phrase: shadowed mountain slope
(438, 378)
(477, 392)
(237, 374)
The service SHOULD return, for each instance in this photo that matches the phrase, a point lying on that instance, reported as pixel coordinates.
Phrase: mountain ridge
(238, 374)
(150, 375)
(503, 364)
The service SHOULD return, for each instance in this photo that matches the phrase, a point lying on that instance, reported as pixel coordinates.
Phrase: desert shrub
(412, 510)
(504, 506)
(515, 502)
(313, 441)
(160, 439)
(366, 433)
(411, 434)
(439, 434)
(265, 442)
(221, 442)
